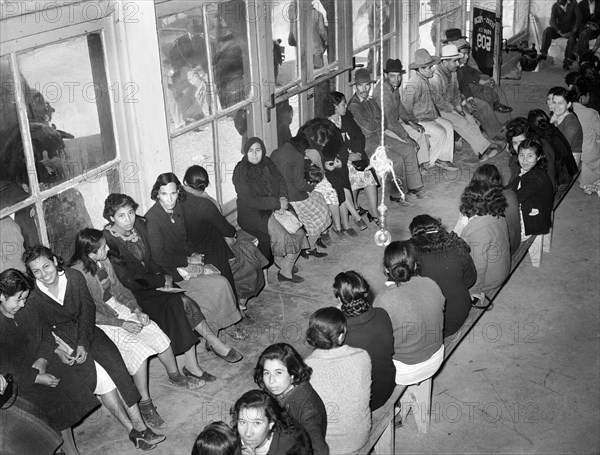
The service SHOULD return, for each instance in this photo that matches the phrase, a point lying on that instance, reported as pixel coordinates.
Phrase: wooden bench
(418, 397)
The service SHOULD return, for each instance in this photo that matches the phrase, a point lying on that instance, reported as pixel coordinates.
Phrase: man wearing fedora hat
(403, 153)
(396, 115)
(449, 102)
(418, 100)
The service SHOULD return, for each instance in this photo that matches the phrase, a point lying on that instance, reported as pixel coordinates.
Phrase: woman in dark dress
(175, 255)
(46, 387)
(213, 236)
(370, 329)
(67, 309)
(175, 313)
(444, 257)
(281, 371)
(261, 191)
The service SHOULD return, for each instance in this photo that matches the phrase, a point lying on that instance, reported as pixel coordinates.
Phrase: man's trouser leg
(404, 156)
(468, 130)
(421, 139)
(441, 140)
(485, 114)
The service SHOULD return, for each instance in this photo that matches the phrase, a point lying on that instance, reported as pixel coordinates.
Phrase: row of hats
(422, 57)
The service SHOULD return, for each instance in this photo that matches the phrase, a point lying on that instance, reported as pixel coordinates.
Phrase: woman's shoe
(232, 356)
(307, 253)
(151, 415)
(351, 232)
(293, 279)
(360, 224)
(204, 377)
(339, 233)
(320, 243)
(326, 238)
(372, 219)
(361, 211)
(146, 439)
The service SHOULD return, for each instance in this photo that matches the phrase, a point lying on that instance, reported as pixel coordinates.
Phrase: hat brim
(416, 66)
(451, 57)
(394, 71)
(446, 41)
(362, 82)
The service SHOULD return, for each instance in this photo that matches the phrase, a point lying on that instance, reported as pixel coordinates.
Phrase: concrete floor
(525, 381)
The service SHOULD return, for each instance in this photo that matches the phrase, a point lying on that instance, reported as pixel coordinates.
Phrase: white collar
(62, 288)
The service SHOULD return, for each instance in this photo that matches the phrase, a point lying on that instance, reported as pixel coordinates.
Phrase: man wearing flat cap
(417, 97)
(448, 100)
(397, 119)
(402, 152)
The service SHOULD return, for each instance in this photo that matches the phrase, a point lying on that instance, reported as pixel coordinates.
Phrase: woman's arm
(530, 186)
(87, 312)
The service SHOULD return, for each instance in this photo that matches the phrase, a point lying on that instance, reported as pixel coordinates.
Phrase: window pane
(285, 42)
(230, 152)
(366, 21)
(17, 232)
(195, 147)
(14, 180)
(68, 107)
(228, 33)
(324, 33)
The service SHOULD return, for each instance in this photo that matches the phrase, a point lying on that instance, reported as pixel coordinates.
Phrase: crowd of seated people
(182, 271)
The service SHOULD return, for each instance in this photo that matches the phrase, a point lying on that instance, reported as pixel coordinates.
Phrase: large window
(437, 16)
(369, 20)
(205, 60)
(58, 144)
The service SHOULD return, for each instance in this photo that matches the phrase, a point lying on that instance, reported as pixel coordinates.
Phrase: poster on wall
(484, 39)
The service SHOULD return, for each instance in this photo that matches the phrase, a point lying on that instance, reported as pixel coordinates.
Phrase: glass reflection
(285, 49)
(14, 181)
(17, 232)
(288, 120)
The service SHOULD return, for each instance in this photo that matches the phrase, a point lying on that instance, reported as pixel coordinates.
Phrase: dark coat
(565, 21)
(291, 442)
(290, 163)
(307, 408)
(584, 7)
(513, 219)
(453, 269)
(258, 187)
(21, 344)
(373, 332)
(536, 198)
(565, 166)
(207, 229)
(75, 323)
(143, 279)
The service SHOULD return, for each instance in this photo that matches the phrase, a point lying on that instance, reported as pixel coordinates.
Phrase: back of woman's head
(330, 102)
(539, 119)
(516, 127)
(218, 438)
(87, 241)
(352, 290)
(259, 399)
(326, 328)
(400, 261)
(196, 177)
(424, 225)
(480, 198)
(13, 281)
(300, 143)
(116, 201)
(488, 173)
(40, 251)
(287, 355)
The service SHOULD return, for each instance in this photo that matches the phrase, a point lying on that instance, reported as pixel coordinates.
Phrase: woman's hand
(64, 357)
(142, 317)
(354, 156)
(132, 327)
(80, 355)
(40, 365)
(47, 379)
(196, 259)
(284, 205)
(230, 240)
(168, 281)
(3, 384)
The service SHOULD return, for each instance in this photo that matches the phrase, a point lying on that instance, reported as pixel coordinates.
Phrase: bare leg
(191, 362)
(349, 203)
(69, 446)
(335, 215)
(217, 345)
(371, 192)
(344, 216)
(129, 418)
(140, 378)
(167, 358)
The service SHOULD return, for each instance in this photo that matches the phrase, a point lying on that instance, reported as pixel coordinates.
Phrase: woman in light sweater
(416, 307)
(342, 378)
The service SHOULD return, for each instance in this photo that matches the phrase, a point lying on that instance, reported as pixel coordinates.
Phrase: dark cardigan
(307, 408)
(373, 332)
(290, 163)
(536, 198)
(75, 323)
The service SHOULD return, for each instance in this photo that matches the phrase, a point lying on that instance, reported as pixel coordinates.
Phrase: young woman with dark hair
(262, 191)
(238, 260)
(281, 371)
(342, 378)
(534, 190)
(119, 316)
(176, 256)
(370, 329)
(490, 173)
(566, 121)
(218, 438)
(483, 226)
(265, 428)
(417, 301)
(61, 298)
(444, 257)
(175, 313)
(48, 394)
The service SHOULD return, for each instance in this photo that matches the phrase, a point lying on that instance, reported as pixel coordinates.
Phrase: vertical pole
(498, 46)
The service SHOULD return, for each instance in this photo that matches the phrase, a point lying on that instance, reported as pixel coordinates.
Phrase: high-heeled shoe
(232, 356)
(206, 376)
(145, 439)
(372, 219)
(361, 211)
